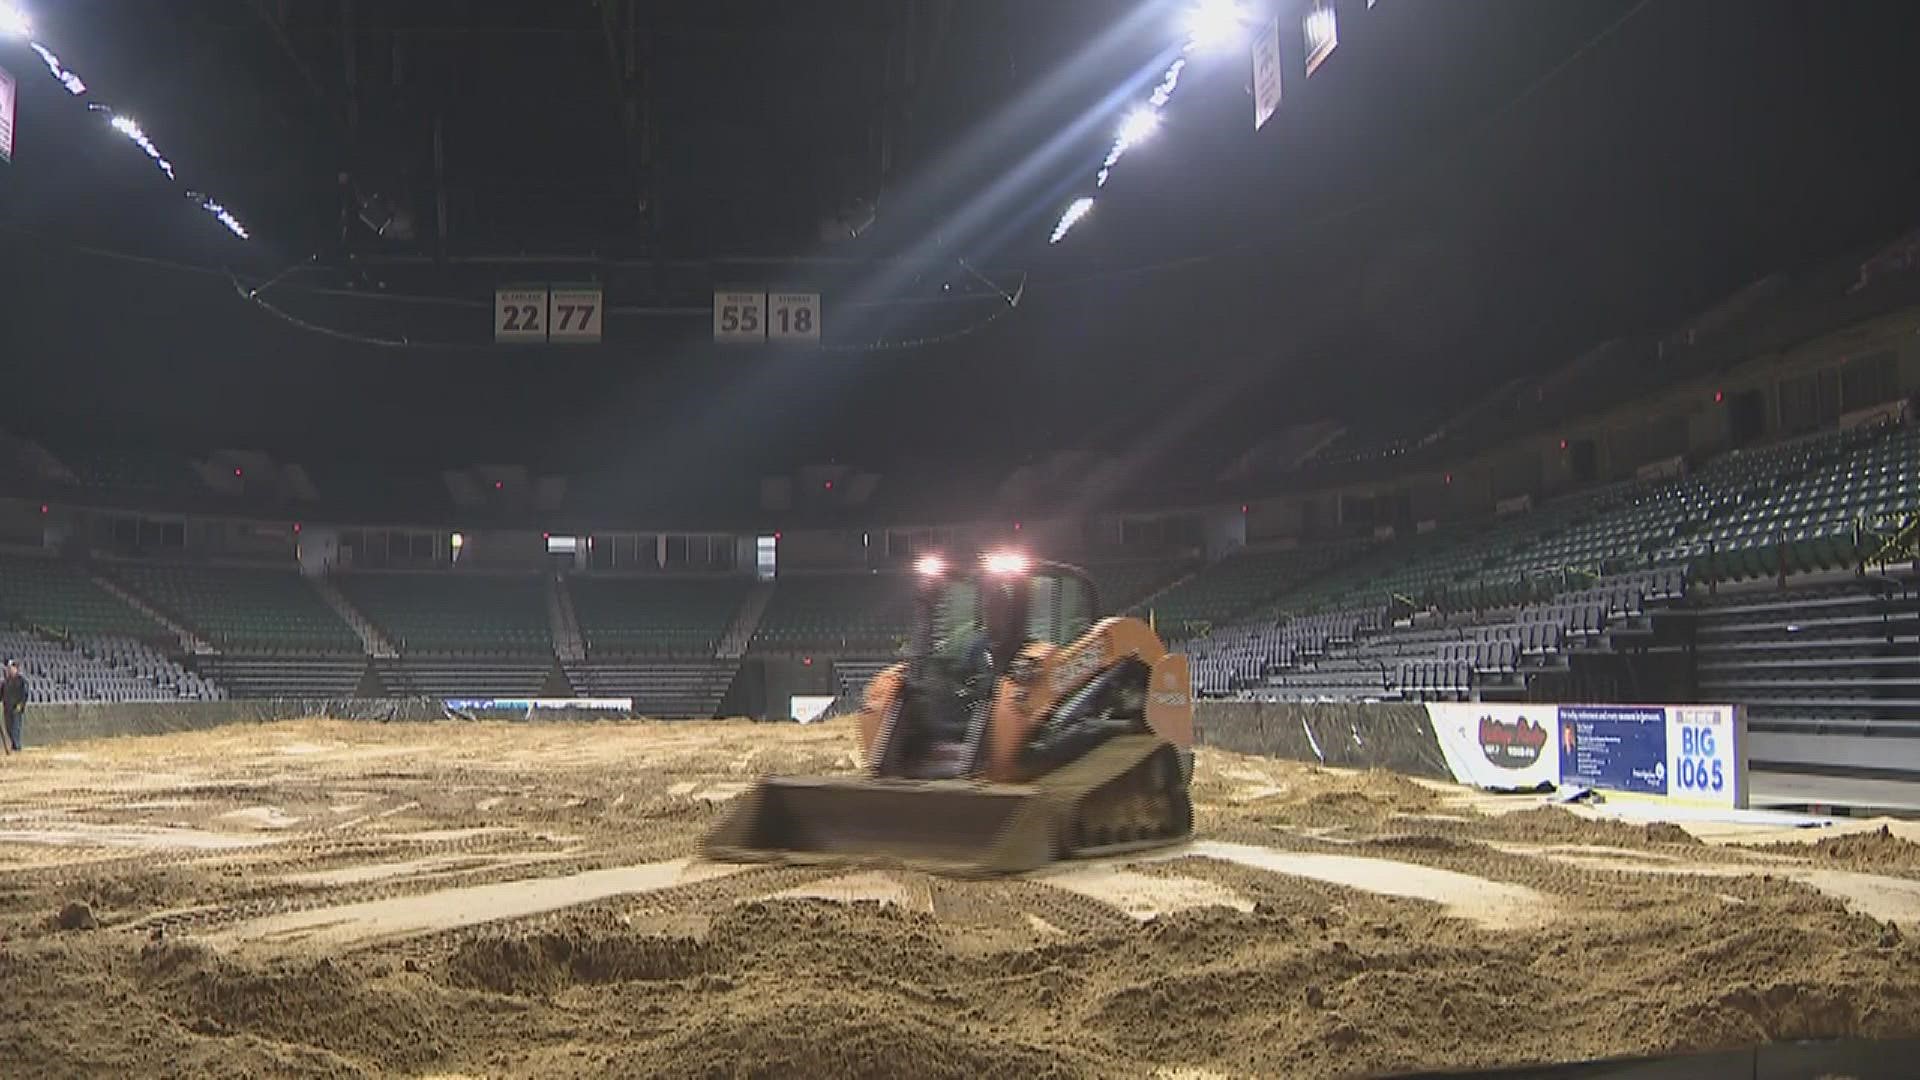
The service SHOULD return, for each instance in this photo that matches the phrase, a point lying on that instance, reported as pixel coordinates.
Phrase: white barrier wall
(1678, 753)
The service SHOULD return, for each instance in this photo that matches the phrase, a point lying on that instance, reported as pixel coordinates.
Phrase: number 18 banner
(793, 316)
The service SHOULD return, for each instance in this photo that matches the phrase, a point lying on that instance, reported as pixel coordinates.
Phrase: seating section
(1821, 502)
(103, 669)
(135, 470)
(1829, 675)
(1123, 584)
(850, 678)
(1580, 568)
(1367, 654)
(243, 609)
(456, 677)
(1818, 511)
(682, 690)
(62, 597)
(455, 613)
(658, 616)
(286, 676)
(1237, 584)
(869, 613)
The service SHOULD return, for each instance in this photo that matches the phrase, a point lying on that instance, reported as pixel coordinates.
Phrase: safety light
(1006, 562)
(14, 22)
(1139, 126)
(1076, 210)
(1214, 25)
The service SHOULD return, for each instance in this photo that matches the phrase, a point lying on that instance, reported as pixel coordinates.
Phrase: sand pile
(1878, 849)
(516, 903)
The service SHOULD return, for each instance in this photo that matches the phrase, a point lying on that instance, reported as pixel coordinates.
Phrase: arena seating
(1363, 654)
(1791, 508)
(242, 609)
(322, 676)
(850, 677)
(102, 669)
(1124, 584)
(655, 616)
(442, 676)
(686, 689)
(1829, 673)
(1238, 583)
(454, 612)
(1812, 513)
(60, 596)
(861, 613)
(135, 470)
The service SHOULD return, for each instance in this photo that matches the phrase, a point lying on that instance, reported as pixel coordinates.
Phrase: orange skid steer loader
(1018, 731)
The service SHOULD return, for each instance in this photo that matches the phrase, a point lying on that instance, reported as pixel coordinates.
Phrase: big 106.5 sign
(1682, 753)
(1702, 747)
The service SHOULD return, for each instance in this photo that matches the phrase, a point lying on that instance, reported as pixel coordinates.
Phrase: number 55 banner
(739, 317)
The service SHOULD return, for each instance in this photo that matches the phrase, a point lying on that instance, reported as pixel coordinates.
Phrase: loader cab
(1007, 602)
(970, 625)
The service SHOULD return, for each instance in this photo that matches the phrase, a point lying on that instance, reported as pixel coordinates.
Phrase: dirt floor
(335, 899)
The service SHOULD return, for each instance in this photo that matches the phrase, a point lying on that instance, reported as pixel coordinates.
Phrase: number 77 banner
(575, 314)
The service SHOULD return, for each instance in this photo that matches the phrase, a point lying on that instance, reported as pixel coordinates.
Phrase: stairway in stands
(1827, 667)
(285, 676)
(371, 639)
(740, 632)
(850, 679)
(664, 689)
(568, 643)
(189, 641)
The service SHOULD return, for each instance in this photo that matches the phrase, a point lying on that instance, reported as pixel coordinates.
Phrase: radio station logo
(1511, 744)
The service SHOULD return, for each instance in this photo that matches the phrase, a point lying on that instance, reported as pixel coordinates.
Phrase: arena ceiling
(1461, 193)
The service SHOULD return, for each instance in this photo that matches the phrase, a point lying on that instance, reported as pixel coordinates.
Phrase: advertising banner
(1499, 747)
(1614, 748)
(1681, 753)
(1707, 754)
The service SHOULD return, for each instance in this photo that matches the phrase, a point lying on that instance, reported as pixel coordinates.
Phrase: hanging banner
(1266, 73)
(7, 99)
(1322, 34)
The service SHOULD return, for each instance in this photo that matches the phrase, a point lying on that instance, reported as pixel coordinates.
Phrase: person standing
(13, 704)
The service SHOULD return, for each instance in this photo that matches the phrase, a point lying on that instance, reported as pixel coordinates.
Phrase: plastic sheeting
(51, 725)
(1353, 736)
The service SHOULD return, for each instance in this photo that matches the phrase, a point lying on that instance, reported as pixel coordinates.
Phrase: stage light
(67, 78)
(1138, 127)
(127, 126)
(1214, 25)
(930, 566)
(1075, 211)
(1006, 562)
(221, 214)
(14, 22)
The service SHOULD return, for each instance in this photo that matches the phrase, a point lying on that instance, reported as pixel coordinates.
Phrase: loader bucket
(947, 824)
(962, 827)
